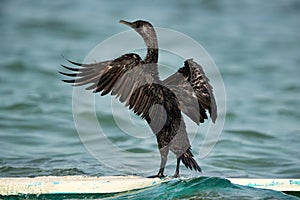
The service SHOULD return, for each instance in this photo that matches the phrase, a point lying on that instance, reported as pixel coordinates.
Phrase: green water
(255, 45)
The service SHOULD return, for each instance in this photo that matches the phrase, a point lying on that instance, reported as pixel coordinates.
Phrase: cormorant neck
(150, 40)
(152, 55)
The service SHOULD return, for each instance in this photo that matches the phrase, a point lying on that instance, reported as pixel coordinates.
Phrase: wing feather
(194, 92)
(126, 77)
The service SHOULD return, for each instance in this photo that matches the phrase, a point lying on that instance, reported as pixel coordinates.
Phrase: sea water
(254, 44)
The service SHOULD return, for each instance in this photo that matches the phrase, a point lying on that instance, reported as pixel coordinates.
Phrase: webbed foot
(157, 176)
(176, 175)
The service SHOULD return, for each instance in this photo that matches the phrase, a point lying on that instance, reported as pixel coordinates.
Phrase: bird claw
(176, 176)
(157, 176)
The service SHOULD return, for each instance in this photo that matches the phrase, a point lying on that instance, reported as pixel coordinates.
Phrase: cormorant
(137, 84)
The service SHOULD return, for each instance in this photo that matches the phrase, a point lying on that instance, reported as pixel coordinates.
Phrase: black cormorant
(136, 83)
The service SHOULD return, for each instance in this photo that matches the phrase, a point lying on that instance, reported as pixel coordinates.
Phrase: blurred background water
(255, 45)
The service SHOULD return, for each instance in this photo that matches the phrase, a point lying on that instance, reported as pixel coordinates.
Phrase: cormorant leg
(163, 155)
(176, 175)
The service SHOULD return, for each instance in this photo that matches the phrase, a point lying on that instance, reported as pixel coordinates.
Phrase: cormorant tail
(189, 161)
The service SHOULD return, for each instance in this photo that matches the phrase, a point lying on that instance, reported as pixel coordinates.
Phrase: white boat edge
(114, 184)
(280, 184)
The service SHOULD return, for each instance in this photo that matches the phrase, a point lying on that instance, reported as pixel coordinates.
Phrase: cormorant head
(137, 24)
(145, 29)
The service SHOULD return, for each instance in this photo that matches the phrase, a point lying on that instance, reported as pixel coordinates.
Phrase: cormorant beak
(126, 23)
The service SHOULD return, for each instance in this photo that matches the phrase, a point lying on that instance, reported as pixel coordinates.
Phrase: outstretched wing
(126, 77)
(195, 94)
(84, 74)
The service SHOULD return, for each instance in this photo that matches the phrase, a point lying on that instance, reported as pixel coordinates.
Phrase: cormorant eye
(138, 25)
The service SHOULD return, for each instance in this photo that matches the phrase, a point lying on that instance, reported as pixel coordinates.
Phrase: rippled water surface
(255, 45)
